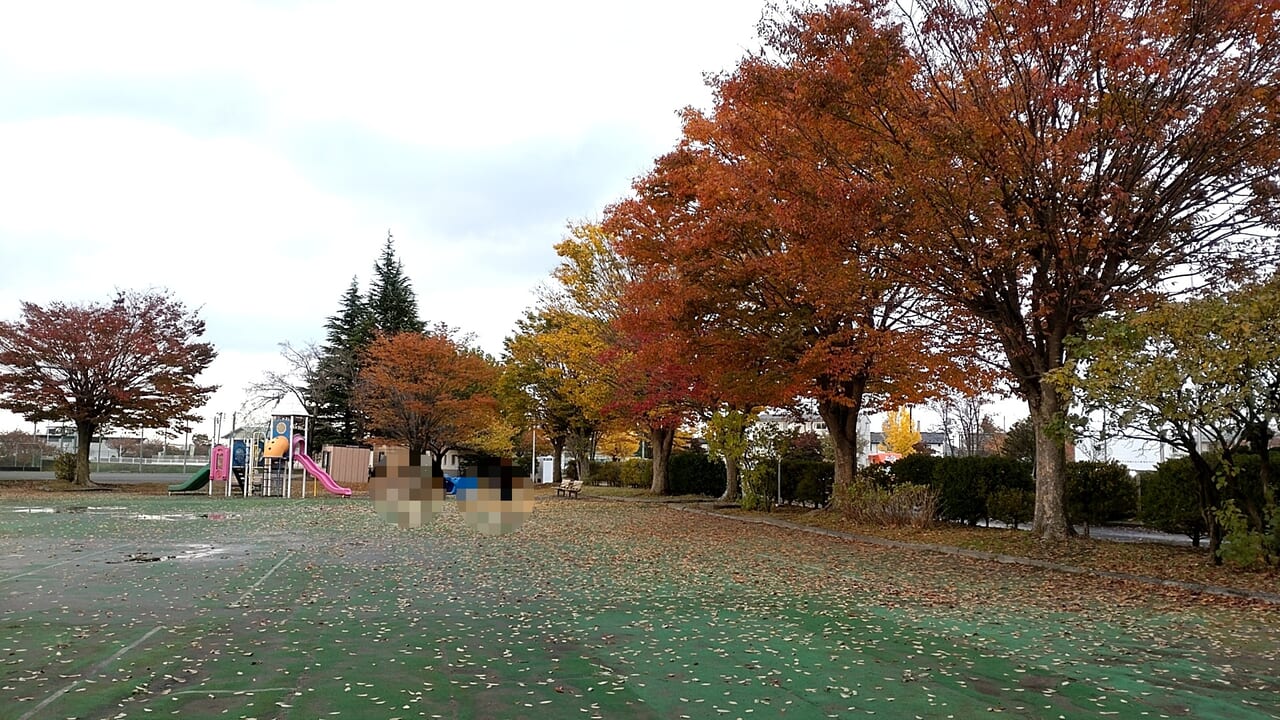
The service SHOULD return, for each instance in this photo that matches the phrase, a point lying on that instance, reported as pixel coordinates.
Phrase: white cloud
(251, 156)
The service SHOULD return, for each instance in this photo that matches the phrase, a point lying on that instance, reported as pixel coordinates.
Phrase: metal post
(533, 464)
(779, 477)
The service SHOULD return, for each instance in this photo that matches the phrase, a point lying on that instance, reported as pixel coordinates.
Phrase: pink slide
(316, 471)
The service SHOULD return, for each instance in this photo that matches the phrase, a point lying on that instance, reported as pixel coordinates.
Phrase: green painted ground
(207, 607)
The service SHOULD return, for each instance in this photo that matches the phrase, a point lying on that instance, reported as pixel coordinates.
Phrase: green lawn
(120, 606)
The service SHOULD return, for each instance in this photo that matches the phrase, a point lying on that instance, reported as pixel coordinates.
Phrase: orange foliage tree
(131, 363)
(1042, 162)
(775, 279)
(431, 391)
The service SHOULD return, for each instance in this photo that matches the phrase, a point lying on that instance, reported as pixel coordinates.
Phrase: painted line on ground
(233, 692)
(244, 595)
(96, 669)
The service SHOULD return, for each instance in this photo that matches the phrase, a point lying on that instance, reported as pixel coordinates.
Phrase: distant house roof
(241, 433)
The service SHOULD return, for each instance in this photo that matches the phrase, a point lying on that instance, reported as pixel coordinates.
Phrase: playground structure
(267, 464)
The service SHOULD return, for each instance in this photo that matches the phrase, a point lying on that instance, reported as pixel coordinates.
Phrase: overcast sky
(252, 156)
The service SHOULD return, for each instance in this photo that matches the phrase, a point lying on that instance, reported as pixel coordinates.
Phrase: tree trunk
(842, 426)
(580, 448)
(732, 481)
(84, 437)
(1259, 440)
(661, 438)
(557, 453)
(1208, 487)
(1051, 467)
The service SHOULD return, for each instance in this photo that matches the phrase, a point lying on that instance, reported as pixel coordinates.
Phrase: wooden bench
(569, 488)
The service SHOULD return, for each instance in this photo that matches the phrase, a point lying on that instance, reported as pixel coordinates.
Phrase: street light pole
(779, 477)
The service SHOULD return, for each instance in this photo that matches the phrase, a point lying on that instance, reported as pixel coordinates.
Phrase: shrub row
(1171, 502)
(606, 473)
(693, 473)
(688, 473)
(867, 501)
(976, 489)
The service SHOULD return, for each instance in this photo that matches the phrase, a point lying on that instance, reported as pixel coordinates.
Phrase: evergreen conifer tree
(349, 333)
(392, 303)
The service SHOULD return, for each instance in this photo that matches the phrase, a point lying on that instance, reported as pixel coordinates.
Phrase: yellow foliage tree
(900, 434)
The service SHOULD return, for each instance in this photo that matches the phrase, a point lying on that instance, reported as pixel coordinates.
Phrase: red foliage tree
(131, 363)
(655, 377)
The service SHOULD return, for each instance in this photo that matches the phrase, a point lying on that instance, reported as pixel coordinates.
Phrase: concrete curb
(1264, 597)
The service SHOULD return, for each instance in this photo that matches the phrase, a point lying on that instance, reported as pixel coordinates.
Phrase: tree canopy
(347, 333)
(131, 363)
(392, 304)
(1196, 373)
(900, 433)
(431, 391)
(1027, 165)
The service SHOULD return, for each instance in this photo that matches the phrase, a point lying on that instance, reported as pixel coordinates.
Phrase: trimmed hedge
(916, 469)
(1099, 492)
(1170, 497)
(1170, 500)
(636, 473)
(807, 481)
(606, 473)
(971, 489)
(967, 485)
(695, 473)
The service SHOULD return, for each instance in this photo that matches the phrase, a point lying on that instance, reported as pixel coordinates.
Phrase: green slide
(197, 480)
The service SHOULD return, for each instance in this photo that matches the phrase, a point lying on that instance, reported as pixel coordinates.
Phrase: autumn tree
(547, 380)
(727, 438)
(431, 391)
(1195, 374)
(775, 280)
(620, 371)
(130, 363)
(20, 449)
(1055, 160)
(900, 433)
(655, 381)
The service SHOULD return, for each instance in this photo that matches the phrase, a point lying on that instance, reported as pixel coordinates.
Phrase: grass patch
(1170, 562)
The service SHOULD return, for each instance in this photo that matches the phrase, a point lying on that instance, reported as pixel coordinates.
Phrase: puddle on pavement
(193, 552)
(169, 517)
